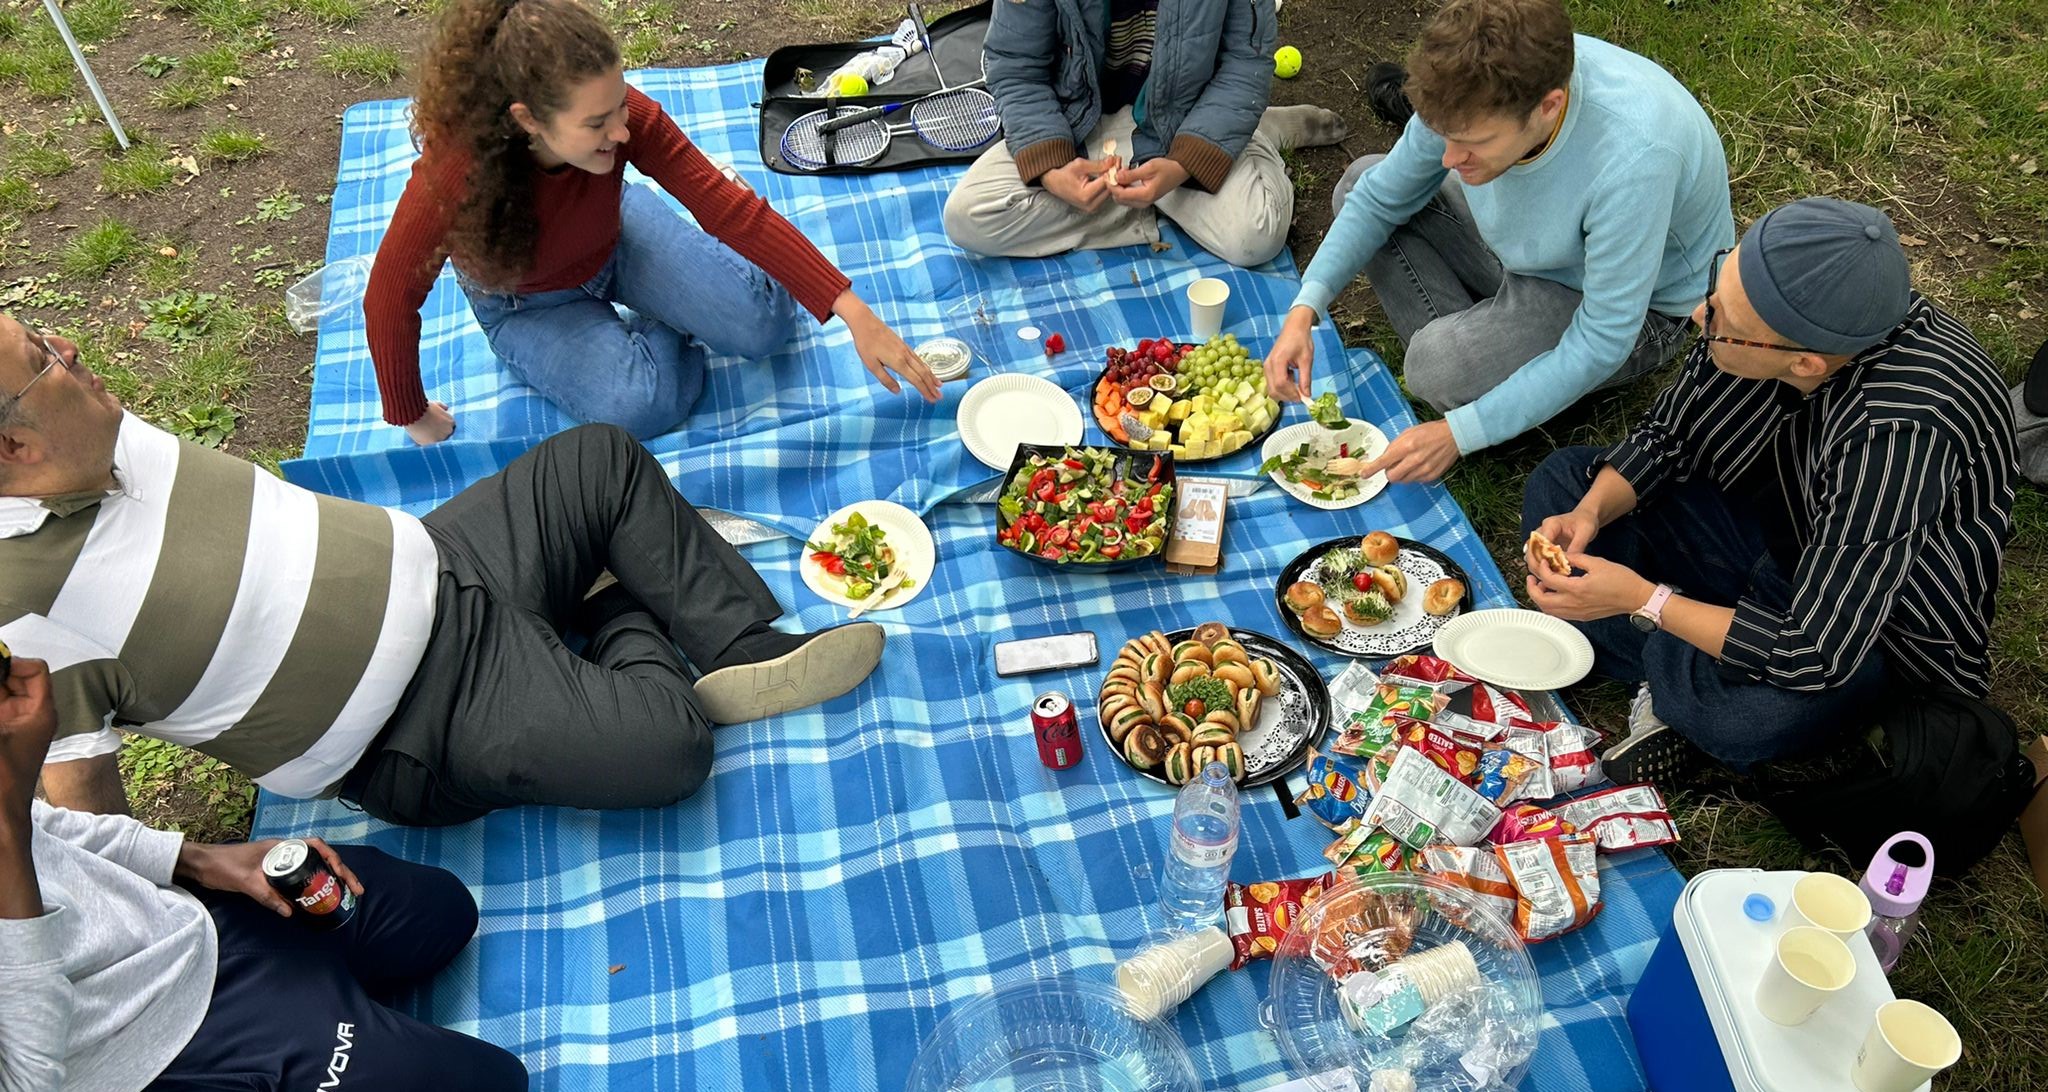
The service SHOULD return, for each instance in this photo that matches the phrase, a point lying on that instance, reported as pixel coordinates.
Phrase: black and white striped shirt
(1895, 482)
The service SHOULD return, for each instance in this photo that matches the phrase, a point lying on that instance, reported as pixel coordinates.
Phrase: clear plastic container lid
(1480, 1006)
(1051, 1035)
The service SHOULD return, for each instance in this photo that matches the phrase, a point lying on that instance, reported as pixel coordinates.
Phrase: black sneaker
(1386, 91)
(1658, 755)
(821, 666)
(2036, 394)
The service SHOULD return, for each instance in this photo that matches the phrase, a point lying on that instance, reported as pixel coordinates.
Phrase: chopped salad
(1329, 471)
(1087, 506)
(856, 557)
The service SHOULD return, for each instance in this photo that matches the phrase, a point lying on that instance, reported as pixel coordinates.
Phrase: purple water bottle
(1896, 884)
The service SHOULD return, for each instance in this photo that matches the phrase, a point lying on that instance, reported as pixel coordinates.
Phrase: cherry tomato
(1361, 581)
(1112, 550)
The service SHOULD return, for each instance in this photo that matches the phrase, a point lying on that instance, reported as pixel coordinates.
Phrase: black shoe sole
(2035, 394)
(1660, 757)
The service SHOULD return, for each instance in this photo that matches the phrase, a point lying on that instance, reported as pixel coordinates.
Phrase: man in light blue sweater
(1542, 228)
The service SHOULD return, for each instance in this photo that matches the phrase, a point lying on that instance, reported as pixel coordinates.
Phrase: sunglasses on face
(1707, 329)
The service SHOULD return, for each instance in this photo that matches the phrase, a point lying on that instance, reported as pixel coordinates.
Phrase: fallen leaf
(1161, 245)
(1911, 240)
(2028, 316)
(2030, 166)
(617, 967)
(169, 252)
(185, 163)
(234, 81)
(1973, 236)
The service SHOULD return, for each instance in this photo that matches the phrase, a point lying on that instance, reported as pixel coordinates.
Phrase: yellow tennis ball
(852, 84)
(1286, 62)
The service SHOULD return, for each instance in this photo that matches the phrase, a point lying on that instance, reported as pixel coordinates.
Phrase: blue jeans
(642, 371)
(1691, 537)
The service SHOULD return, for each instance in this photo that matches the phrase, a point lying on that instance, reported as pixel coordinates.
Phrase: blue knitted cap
(1826, 274)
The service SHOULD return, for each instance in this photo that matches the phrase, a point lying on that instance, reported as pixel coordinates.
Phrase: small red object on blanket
(1055, 344)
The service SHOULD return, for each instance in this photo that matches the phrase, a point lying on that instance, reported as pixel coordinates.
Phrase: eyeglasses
(52, 359)
(1707, 330)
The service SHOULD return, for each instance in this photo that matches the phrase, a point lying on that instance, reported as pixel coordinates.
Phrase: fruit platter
(1174, 702)
(1086, 507)
(1197, 402)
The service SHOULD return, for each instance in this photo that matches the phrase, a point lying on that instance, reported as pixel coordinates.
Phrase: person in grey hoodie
(1172, 100)
(133, 958)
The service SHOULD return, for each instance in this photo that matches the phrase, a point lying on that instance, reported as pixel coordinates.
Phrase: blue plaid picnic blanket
(851, 872)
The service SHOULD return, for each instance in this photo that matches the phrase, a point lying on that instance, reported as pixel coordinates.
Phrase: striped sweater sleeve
(408, 260)
(1654, 450)
(730, 213)
(1880, 494)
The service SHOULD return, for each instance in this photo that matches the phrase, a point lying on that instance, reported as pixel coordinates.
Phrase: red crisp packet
(1557, 884)
(1258, 915)
(1564, 747)
(1453, 752)
(1621, 818)
(1427, 669)
(1525, 822)
(1492, 705)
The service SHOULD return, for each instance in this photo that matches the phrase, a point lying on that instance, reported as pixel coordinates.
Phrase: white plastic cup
(1206, 300)
(1908, 1044)
(1808, 966)
(1158, 979)
(1827, 901)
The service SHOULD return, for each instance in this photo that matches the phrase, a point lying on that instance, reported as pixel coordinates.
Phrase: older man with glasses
(414, 666)
(1812, 513)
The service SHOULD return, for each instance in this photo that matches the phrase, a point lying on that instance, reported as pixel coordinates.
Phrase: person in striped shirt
(414, 666)
(1809, 519)
(526, 125)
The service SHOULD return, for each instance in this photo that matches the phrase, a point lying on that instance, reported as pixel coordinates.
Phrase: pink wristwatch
(1650, 616)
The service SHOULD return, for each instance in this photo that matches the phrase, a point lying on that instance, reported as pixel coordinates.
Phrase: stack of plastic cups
(1158, 979)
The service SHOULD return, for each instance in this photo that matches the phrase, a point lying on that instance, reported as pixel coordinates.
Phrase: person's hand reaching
(434, 426)
(1081, 183)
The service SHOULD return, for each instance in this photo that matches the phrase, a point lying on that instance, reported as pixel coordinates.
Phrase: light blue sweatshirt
(1627, 205)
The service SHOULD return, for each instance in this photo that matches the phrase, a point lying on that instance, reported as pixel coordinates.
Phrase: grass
(231, 144)
(19, 195)
(140, 170)
(368, 63)
(96, 21)
(96, 250)
(334, 13)
(207, 801)
(40, 158)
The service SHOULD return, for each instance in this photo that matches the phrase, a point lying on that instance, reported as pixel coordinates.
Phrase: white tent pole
(84, 69)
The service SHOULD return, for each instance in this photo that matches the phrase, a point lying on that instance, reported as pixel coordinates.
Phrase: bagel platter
(1375, 597)
(1174, 702)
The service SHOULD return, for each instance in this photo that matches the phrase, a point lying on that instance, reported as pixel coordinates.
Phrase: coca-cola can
(1057, 729)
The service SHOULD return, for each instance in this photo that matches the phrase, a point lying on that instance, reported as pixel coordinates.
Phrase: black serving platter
(1126, 458)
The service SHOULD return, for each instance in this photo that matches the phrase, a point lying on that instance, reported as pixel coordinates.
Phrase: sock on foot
(758, 642)
(1386, 89)
(1303, 126)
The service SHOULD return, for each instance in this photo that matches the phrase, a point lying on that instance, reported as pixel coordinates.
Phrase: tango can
(1057, 729)
(318, 897)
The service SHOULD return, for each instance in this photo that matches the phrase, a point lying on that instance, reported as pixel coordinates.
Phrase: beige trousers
(1245, 223)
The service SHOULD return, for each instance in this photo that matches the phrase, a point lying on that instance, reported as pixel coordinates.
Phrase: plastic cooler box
(1694, 1013)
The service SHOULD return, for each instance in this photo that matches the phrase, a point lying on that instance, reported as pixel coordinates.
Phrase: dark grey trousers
(501, 712)
(1467, 323)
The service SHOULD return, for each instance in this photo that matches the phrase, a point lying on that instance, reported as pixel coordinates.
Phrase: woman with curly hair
(525, 125)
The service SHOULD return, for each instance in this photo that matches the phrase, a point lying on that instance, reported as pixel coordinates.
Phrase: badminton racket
(965, 103)
(959, 120)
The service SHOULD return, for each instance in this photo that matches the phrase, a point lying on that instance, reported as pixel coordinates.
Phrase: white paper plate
(915, 551)
(1003, 411)
(1518, 649)
(1366, 440)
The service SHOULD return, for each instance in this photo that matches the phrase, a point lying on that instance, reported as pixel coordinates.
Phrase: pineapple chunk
(1227, 403)
(1180, 451)
(1179, 410)
(1159, 441)
(1237, 439)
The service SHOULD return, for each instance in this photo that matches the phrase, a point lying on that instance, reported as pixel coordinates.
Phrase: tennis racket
(959, 120)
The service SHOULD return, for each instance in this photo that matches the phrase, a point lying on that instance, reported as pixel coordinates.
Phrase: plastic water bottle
(1896, 884)
(1204, 838)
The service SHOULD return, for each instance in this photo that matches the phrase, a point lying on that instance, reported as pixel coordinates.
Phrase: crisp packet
(1567, 749)
(1377, 932)
(1621, 818)
(1491, 705)
(1258, 915)
(1420, 803)
(1476, 870)
(1333, 795)
(1557, 884)
(1378, 852)
(1523, 822)
(1369, 731)
(1502, 774)
(1426, 669)
(1454, 752)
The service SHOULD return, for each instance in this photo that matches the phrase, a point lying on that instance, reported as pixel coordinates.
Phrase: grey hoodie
(105, 988)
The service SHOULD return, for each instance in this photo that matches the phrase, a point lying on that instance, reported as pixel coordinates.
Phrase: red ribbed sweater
(578, 213)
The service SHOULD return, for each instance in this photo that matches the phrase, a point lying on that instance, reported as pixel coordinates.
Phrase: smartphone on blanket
(1035, 654)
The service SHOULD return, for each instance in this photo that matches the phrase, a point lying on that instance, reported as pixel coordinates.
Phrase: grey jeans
(1467, 323)
(1245, 223)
